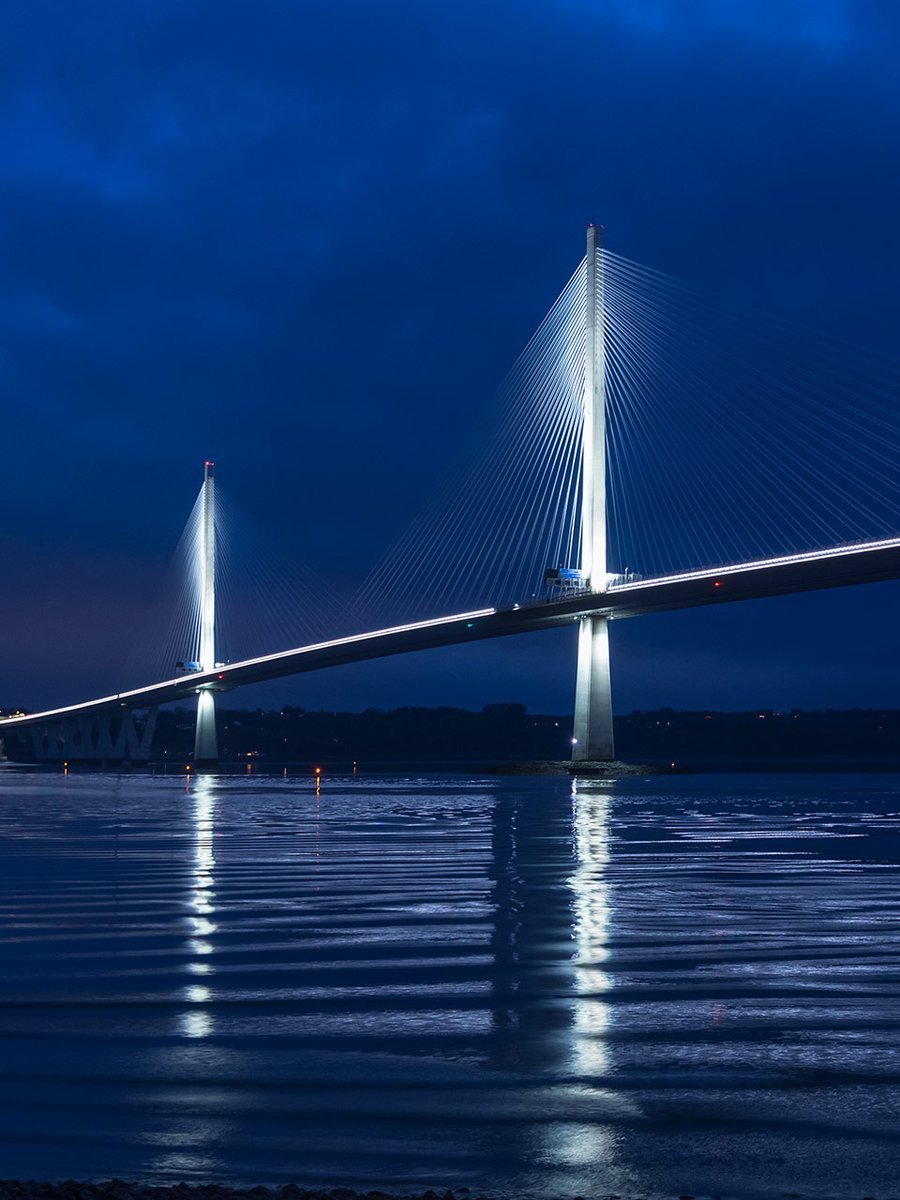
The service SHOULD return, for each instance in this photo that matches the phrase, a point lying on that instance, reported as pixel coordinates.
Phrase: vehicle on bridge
(567, 580)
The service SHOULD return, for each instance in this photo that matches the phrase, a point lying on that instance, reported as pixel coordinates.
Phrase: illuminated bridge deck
(857, 563)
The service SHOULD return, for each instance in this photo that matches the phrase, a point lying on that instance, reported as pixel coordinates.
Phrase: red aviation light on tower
(208, 468)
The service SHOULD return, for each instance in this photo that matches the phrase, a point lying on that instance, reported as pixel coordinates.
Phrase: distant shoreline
(511, 769)
(508, 739)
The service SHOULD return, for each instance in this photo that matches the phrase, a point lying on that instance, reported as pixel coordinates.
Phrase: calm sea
(651, 987)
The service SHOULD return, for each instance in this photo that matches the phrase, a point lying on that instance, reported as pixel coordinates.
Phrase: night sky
(307, 239)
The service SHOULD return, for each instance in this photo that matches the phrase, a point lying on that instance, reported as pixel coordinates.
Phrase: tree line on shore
(509, 732)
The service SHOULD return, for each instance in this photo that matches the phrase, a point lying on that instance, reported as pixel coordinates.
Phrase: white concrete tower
(206, 743)
(593, 733)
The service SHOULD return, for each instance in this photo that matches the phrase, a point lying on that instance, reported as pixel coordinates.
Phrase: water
(647, 987)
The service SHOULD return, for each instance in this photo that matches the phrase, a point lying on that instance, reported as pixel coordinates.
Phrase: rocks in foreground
(118, 1189)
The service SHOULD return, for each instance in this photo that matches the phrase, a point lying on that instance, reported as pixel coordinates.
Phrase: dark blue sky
(308, 239)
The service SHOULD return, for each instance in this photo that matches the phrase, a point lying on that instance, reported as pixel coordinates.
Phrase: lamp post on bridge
(593, 733)
(206, 742)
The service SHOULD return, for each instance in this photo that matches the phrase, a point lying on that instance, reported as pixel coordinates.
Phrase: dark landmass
(523, 742)
(762, 738)
(508, 733)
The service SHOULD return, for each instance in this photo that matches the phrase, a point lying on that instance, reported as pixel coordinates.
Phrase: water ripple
(644, 987)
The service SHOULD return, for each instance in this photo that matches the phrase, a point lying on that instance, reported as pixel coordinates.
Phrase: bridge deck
(861, 562)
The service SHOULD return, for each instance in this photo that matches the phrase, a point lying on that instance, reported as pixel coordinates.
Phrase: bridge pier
(593, 730)
(206, 741)
(206, 738)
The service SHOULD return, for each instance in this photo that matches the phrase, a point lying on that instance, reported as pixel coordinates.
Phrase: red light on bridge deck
(718, 583)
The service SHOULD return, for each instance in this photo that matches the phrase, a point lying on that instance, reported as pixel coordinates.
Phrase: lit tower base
(593, 732)
(206, 742)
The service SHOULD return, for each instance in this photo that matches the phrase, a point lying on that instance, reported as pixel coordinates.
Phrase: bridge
(120, 725)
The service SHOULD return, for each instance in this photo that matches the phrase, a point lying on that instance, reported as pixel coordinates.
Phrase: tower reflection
(590, 929)
(552, 911)
(197, 1021)
(184, 1133)
(552, 1014)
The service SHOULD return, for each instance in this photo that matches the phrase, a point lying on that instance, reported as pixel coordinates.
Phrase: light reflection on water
(197, 1022)
(647, 987)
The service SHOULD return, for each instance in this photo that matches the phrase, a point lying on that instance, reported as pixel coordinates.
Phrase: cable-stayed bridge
(649, 451)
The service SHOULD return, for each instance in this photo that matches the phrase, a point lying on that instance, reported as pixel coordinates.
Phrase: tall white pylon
(206, 742)
(593, 733)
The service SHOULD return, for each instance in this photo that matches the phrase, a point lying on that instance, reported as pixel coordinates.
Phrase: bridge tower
(206, 743)
(593, 733)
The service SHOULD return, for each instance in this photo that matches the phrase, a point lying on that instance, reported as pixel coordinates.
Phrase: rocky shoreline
(119, 1189)
(599, 769)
